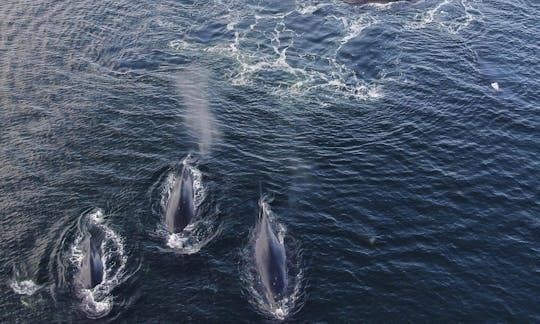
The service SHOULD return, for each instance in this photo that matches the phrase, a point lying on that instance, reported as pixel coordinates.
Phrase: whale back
(181, 207)
(270, 259)
(92, 266)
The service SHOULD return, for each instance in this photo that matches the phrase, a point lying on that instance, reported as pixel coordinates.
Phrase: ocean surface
(397, 146)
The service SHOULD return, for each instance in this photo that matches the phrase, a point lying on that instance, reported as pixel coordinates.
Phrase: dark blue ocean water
(400, 144)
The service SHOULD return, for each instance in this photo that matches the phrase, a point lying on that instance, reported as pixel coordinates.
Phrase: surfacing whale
(181, 207)
(270, 258)
(92, 265)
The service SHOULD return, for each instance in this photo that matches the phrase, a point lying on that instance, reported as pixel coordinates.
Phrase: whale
(180, 206)
(363, 2)
(270, 258)
(92, 264)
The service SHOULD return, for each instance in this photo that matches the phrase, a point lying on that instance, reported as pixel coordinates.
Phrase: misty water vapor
(192, 83)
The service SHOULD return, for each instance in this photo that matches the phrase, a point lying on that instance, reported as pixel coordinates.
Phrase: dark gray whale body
(180, 207)
(92, 265)
(270, 258)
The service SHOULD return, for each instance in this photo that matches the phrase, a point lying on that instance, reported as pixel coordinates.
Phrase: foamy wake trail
(450, 15)
(192, 84)
(266, 49)
(98, 301)
(203, 228)
(255, 63)
(293, 299)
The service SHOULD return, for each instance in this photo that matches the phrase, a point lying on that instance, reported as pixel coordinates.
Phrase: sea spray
(192, 83)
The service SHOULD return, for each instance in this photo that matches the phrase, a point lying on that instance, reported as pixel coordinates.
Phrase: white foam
(232, 21)
(199, 191)
(176, 241)
(353, 28)
(451, 15)
(202, 229)
(310, 9)
(166, 24)
(97, 216)
(254, 61)
(186, 241)
(427, 17)
(93, 305)
(181, 45)
(167, 188)
(194, 236)
(24, 287)
(76, 256)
